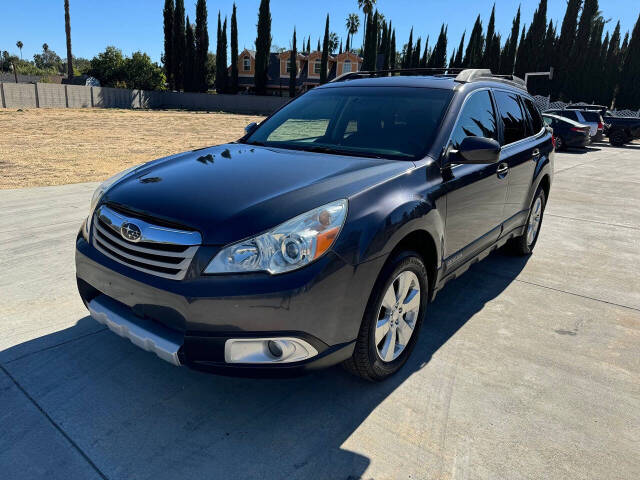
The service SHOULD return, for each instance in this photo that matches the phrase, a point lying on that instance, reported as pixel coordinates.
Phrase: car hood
(233, 191)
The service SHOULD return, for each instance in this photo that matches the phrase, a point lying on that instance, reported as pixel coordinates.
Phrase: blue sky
(137, 25)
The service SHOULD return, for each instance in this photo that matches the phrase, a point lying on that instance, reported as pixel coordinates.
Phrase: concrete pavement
(526, 368)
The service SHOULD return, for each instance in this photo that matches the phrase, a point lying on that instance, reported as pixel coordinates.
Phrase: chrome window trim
(149, 233)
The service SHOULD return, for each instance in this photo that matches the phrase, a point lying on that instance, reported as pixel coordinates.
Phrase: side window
(534, 115)
(547, 121)
(477, 119)
(572, 114)
(512, 117)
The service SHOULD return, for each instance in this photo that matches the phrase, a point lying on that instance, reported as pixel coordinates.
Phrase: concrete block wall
(78, 96)
(48, 95)
(19, 95)
(51, 95)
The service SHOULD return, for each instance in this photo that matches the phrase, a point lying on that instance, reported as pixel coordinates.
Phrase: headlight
(97, 195)
(288, 246)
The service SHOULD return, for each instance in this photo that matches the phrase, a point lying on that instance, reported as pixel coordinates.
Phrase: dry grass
(57, 146)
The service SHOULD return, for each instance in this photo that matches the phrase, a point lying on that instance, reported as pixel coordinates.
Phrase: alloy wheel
(397, 316)
(534, 221)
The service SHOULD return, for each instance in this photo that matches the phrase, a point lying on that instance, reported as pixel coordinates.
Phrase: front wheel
(523, 245)
(392, 319)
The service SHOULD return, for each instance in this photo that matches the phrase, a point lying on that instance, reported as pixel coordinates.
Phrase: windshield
(385, 122)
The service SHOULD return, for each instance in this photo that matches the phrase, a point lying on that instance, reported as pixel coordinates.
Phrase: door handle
(535, 154)
(503, 169)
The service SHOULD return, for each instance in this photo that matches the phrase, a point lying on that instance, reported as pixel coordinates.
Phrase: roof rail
(449, 72)
(462, 75)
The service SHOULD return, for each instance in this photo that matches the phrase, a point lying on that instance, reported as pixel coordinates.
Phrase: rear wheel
(392, 319)
(523, 245)
(617, 138)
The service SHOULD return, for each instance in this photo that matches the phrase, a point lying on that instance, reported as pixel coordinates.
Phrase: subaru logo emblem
(130, 231)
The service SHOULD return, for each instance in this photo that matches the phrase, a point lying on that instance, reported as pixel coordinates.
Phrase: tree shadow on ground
(135, 416)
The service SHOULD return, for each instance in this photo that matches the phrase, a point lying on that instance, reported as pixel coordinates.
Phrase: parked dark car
(566, 132)
(320, 236)
(621, 130)
(592, 118)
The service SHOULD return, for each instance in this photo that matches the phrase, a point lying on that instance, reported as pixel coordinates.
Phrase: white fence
(48, 95)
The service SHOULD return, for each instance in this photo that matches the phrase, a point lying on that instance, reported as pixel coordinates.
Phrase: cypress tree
(415, 56)
(579, 53)
(202, 47)
(221, 57)
(508, 63)
(521, 55)
(406, 61)
(319, 47)
(612, 66)
(347, 47)
(536, 38)
(340, 49)
(473, 54)
(293, 74)
(371, 43)
(324, 59)
(488, 44)
(457, 63)
(452, 59)
(263, 47)
(309, 44)
(393, 63)
(168, 14)
(425, 56)
(190, 60)
(438, 57)
(233, 87)
(593, 66)
(629, 93)
(565, 43)
(179, 45)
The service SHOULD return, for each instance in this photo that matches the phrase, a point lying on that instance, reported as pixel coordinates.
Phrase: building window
(317, 67)
(289, 65)
(246, 64)
(346, 66)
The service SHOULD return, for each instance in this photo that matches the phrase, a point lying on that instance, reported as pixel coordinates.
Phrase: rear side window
(534, 115)
(569, 114)
(512, 117)
(477, 119)
(591, 116)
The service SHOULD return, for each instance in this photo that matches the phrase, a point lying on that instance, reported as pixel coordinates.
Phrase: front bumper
(322, 304)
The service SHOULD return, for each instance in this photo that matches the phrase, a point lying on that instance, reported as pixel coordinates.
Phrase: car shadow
(135, 416)
(579, 150)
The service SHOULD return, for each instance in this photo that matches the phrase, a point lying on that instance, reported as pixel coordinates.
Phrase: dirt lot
(60, 146)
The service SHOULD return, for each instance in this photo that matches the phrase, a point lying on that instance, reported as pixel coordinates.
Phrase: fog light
(267, 350)
(274, 348)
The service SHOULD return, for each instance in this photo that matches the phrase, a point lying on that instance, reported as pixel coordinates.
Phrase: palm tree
(353, 24)
(67, 29)
(366, 6)
(45, 47)
(19, 44)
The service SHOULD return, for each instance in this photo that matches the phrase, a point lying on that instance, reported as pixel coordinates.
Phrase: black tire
(521, 245)
(618, 138)
(365, 361)
(560, 144)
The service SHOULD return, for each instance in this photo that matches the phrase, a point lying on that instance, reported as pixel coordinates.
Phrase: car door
(519, 152)
(475, 193)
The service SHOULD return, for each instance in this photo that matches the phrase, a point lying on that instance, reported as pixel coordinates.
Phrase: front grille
(160, 251)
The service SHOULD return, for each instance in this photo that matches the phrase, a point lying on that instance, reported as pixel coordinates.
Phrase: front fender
(381, 217)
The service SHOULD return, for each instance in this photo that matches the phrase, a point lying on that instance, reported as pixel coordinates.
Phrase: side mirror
(477, 150)
(249, 129)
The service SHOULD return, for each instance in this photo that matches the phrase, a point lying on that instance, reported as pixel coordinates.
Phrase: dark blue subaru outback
(320, 236)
